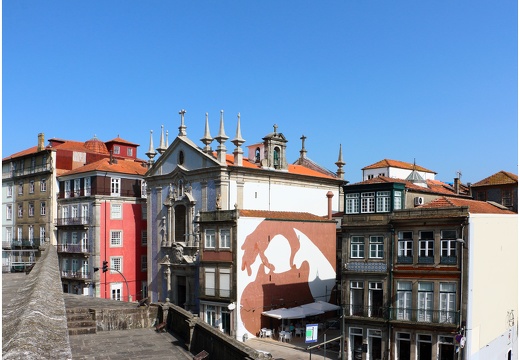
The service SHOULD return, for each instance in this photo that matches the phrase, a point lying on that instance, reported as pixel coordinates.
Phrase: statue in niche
(178, 253)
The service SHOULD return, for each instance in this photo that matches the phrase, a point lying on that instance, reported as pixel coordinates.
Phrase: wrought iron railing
(26, 171)
(24, 243)
(83, 220)
(424, 315)
(75, 274)
(73, 248)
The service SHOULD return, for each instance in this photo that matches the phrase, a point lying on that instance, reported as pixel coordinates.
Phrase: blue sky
(430, 80)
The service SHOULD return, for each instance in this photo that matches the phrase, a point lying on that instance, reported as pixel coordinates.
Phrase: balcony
(23, 243)
(376, 312)
(73, 248)
(424, 316)
(449, 260)
(216, 293)
(73, 221)
(75, 275)
(372, 267)
(28, 171)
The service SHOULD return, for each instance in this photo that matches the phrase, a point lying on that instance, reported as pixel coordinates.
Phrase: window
(424, 347)
(257, 155)
(8, 235)
(42, 233)
(116, 211)
(143, 193)
(84, 242)
(375, 299)
(43, 185)
(9, 191)
(404, 300)
(129, 152)
(425, 302)
(20, 188)
(225, 238)
(426, 247)
(352, 203)
(383, 201)
(144, 238)
(86, 186)
(20, 210)
(67, 189)
(211, 315)
(9, 212)
(117, 149)
(371, 176)
(224, 282)
(144, 289)
(84, 213)
(19, 233)
(356, 298)
(209, 237)
(209, 281)
(367, 202)
(31, 232)
(507, 198)
(376, 247)
(481, 195)
(115, 186)
(447, 302)
(276, 157)
(65, 212)
(116, 263)
(405, 247)
(31, 187)
(448, 247)
(77, 187)
(43, 208)
(116, 238)
(75, 211)
(144, 263)
(116, 291)
(31, 209)
(357, 247)
(398, 200)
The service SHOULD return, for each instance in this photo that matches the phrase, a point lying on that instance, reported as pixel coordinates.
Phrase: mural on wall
(283, 264)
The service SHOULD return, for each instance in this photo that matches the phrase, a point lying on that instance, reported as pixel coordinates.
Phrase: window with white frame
(9, 212)
(9, 234)
(20, 188)
(447, 302)
(405, 247)
(31, 187)
(115, 186)
(224, 282)
(209, 238)
(9, 190)
(20, 210)
(356, 298)
(19, 233)
(75, 211)
(448, 247)
(116, 263)
(43, 208)
(31, 209)
(67, 188)
(65, 212)
(209, 281)
(31, 232)
(116, 211)
(129, 152)
(84, 242)
(424, 346)
(144, 263)
(375, 344)
(42, 233)
(74, 238)
(426, 241)
(116, 238)
(64, 238)
(84, 213)
(383, 201)
(376, 247)
(211, 315)
(357, 247)
(507, 198)
(404, 300)
(77, 187)
(352, 203)
(117, 149)
(225, 238)
(86, 186)
(425, 302)
(144, 238)
(43, 185)
(367, 202)
(398, 200)
(143, 189)
(375, 299)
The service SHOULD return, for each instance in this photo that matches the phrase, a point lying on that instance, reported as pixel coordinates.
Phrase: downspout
(390, 281)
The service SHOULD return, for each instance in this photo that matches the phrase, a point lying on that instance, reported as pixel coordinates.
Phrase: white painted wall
(396, 173)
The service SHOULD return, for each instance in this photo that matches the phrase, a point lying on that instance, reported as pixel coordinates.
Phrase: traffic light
(105, 266)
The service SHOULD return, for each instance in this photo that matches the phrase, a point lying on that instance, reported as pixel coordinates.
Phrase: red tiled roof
(121, 141)
(282, 215)
(475, 206)
(122, 166)
(29, 151)
(500, 178)
(397, 164)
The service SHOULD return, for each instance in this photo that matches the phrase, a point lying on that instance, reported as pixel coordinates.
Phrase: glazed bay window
(425, 302)
(224, 239)
(447, 303)
(356, 298)
(209, 239)
(376, 247)
(357, 247)
(367, 202)
(405, 247)
(352, 203)
(404, 300)
(209, 281)
(383, 201)
(449, 247)
(426, 247)
(398, 200)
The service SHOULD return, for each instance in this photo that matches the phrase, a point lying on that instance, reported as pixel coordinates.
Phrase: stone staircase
(80, 321)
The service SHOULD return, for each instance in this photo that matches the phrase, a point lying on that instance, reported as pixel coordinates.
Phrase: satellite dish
(231, 306)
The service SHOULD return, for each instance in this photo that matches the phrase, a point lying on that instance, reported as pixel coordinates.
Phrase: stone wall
(125, 319)
(34, 322)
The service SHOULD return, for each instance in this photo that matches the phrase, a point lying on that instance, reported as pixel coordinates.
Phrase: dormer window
(130, 152)
(116, 149)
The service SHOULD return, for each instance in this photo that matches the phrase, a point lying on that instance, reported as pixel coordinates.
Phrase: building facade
(501, 188)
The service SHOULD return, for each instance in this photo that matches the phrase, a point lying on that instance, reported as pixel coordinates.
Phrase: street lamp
(105, 268)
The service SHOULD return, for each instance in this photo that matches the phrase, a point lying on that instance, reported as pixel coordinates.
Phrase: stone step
(81, 323)
(82, 331)
(75, 317)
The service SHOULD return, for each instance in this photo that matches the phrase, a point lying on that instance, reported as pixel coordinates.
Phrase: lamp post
(126, 282)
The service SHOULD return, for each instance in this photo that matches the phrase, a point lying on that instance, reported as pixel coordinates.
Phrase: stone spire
(151, 152)
(221, 138)
(207, 139)
(162, 148)
(303, 152)
(340, 163)
(167, 143)
(182, 128)
(238, 141)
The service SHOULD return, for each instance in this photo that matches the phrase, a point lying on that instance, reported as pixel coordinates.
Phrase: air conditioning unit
(419, 200)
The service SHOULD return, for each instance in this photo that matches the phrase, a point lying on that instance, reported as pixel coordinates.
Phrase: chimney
(456, 185)
(329, 211)
(41, 141)
(111, 160)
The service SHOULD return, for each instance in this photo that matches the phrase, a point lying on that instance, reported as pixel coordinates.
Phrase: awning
(298, 312)
(322, 306)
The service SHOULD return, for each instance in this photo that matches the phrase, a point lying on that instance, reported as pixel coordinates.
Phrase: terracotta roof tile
(397, 164)
(121, 141)
(29, 151)
(122, 167)
(475, 206)
(282, 215)
(500, 178)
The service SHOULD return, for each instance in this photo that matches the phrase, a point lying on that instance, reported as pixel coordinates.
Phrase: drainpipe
(389, 294)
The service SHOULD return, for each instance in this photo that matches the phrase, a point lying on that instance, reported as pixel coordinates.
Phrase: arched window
(257, 155)
(276, 157)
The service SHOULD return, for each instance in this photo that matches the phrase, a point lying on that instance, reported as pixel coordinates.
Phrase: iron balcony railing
(378, 311)
(217, 292)
(27, 171)
(83, 220)
(403, 314)
(23, 243)
(75, 274)
(73, 248)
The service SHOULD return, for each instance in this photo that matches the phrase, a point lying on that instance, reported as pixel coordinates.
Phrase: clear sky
(430, 80)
